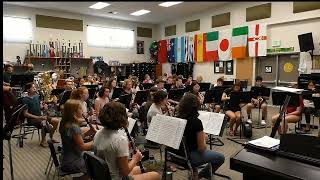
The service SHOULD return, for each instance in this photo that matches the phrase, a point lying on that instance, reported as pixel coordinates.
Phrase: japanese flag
(224, 49)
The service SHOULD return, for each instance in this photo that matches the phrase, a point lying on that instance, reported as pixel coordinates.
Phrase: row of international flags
(224, 45)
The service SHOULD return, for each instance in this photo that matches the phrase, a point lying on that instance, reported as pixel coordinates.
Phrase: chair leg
(39, 134)
(32, 134)
(50, 168)
(54, 174)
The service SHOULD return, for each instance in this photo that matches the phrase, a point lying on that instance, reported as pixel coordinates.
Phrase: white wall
(283, 25)
(44, 34)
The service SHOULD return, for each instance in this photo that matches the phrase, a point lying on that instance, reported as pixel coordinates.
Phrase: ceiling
(157, 15)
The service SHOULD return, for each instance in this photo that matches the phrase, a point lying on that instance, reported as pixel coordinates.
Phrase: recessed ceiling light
(140, 12)
(99, 5)
(168, 4)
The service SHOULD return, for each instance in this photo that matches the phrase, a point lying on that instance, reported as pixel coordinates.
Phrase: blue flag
(172, 47)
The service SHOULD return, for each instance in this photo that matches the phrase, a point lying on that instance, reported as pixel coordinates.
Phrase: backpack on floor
(247, 130)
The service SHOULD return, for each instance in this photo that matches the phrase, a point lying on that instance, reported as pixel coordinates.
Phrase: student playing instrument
(112, 146)
(178, 83)
(34, 115)
(233, 109)
(258, 101)
(82, 94)
(160, 99)
(160, 84)
(111, 85)
(127, 87)
(147, 79)
(309, 106)
(189, 81)
(292, 115)
(103, 98)
(196, 138)
(72, 139)
(195, 88)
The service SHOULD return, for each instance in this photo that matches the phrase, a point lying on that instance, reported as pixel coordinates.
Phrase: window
(17, 30)
(110, 37)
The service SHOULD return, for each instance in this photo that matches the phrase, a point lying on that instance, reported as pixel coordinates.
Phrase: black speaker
(306, 42)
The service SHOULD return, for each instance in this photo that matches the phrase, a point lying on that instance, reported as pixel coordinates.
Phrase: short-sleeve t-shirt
(33, 104)
(153, 110)
(71, 159)
(110, 145)
(193, 127)
(291, 109)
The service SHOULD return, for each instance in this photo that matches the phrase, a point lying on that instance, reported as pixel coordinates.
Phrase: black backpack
(247, 130)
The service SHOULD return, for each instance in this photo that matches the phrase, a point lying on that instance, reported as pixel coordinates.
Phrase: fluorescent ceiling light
(140, 12)
(168, 4)
(99, 5)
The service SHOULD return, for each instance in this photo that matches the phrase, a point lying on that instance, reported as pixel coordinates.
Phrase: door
(244, 69)
(288, 69)
(266, 67)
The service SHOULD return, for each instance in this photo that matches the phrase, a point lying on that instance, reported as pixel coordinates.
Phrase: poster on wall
(140, 47)
(268, 69)
(229, 67)
(219, 67)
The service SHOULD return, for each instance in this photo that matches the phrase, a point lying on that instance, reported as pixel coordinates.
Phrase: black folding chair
(97, 167)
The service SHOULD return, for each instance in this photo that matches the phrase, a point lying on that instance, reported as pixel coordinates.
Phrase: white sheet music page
(166, 130)
(132, 122)
(265, 142)
(286, 89)
(211, 122)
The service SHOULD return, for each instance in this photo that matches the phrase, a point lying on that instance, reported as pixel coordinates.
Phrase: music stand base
(237, 140)
(215, 141)
(221, 175)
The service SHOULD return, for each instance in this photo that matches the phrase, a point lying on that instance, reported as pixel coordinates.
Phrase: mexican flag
(211, 46)
(257, 40)
(224, 50)
(239, 42)
(199, 47)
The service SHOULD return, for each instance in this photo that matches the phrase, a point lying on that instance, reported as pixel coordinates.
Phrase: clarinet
(133, 146)
(91, 106)
(90, 125)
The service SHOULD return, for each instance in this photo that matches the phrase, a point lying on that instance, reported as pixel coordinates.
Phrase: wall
(11, 50)
(283, 25)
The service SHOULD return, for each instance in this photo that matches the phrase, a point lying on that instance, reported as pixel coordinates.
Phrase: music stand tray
(116, 93)
(204, 86)
(141, 97)
(56, 92)
(147, 85)
(176, 94)
(125, 99)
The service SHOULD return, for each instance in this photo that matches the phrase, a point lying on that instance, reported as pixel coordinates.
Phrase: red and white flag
(257, 40)
(224, 47)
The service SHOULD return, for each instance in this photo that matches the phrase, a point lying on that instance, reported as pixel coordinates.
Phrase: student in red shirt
(293, 115)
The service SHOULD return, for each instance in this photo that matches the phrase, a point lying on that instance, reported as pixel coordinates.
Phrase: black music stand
(56, 92)
(126, 100)
(228, 83)
(91, 86)
(65, 97)
(215, 140)
(188, 88)
(116, 93)
(92, 93)
(147, 85)
(238, 98)
(141, 97)
(176, 94)
(167, 87)
(20, 80)
(204, 86)
(209, 96)
(256, 92)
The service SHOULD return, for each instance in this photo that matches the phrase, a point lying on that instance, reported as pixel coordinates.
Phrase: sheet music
(166, 130)
(265, 142)
(132, 122)
(286, 89)
(211, 122)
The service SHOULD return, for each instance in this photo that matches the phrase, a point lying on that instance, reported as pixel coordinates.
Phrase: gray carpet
(29, 162)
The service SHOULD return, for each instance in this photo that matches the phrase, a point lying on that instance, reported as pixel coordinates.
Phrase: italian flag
(199, 47)
(211, 39)
(239, 42)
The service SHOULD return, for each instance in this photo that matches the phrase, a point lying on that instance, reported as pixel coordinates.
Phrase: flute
(133, 146)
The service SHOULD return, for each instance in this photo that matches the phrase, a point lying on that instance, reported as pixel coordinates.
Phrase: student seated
(160, 99)
(293, 115)
(147, 79)
(255, 102)
(112, 146)
(34, 115)
(178, 83)
(189, 81)
(72, 139)
(232, 110)
(195, 88)
(216, 106)
(195, 137)
(309, 106)
(111, 85)
(101, 100)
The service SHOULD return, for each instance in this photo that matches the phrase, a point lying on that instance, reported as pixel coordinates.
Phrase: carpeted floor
(29, 162)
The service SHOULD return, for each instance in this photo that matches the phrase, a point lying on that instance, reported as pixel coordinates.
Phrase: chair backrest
(53, 153)
(182, 154)
(97, 167)
(7, 130)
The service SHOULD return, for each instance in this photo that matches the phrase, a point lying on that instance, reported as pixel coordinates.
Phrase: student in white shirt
(160, 99)
(112, 146)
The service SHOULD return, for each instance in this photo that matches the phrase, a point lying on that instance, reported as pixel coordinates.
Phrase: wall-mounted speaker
(306, 42)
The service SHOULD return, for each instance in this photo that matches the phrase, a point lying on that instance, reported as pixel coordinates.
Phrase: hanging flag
(257, 40)
(189, 49)
(239, 42)
(181, 46)
(211, 46)
(199, 47)
(172, 46)
(162, 53)
(224, 50)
